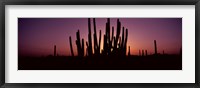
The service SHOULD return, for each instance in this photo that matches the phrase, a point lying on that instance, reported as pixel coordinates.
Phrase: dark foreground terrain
(151, 62)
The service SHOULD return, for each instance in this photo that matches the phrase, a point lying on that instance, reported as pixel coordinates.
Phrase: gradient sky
(37, 36)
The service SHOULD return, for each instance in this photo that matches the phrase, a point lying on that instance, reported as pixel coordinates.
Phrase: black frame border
(99, 2)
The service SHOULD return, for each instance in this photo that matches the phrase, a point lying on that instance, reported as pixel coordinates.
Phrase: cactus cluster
(112, 45)
(79, 44)
(115, 45)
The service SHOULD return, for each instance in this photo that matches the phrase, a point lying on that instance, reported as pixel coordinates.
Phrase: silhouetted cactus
(105, 47)
(78, 43)
(89, 38)
(71, 48)
(54, 50)
(118, 29)
(125, 43)
(96, 44)
(119, 44)
(87, 48)
(80, 48)
(99, 45)
(117, 34)
(108, 36)
(129, 51)
(122, 44)
(115, 46)
(112, 39)
(155, 47)
(95, 36)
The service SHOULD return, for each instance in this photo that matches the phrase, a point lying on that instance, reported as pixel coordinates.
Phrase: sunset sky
(37, 36)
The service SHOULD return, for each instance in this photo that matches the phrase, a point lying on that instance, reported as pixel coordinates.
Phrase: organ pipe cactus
(112, 45)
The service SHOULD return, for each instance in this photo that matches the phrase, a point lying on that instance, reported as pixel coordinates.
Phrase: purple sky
(37, 36)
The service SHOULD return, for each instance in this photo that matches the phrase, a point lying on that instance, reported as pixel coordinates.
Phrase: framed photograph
(100, 43)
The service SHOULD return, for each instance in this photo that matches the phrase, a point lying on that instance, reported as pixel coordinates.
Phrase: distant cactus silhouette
(54, 50)
(129, 51)
(155, 47)
(71, 48)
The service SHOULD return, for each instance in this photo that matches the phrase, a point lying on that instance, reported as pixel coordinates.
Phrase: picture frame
(99, 2)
